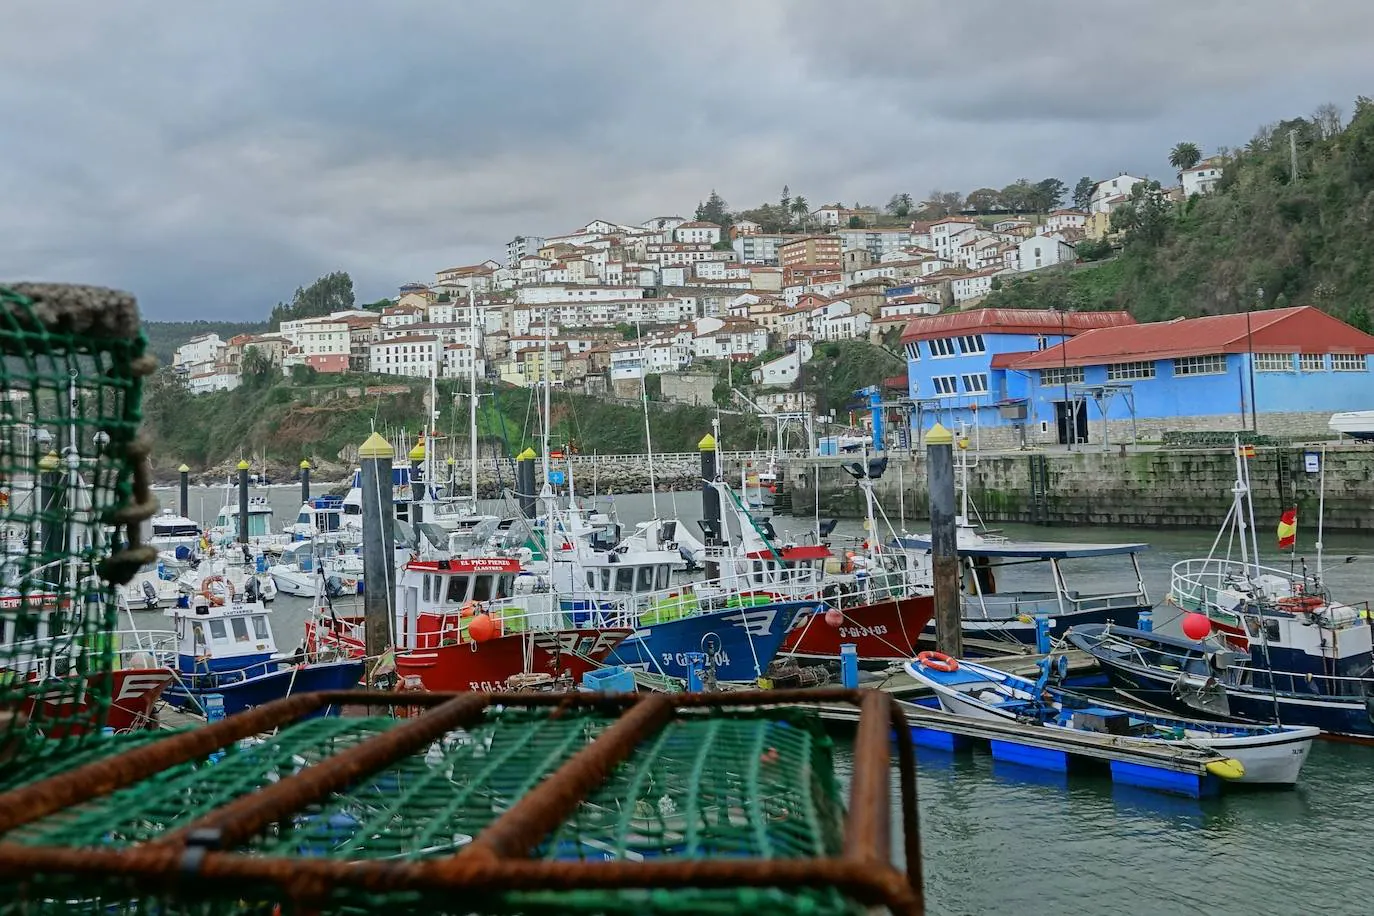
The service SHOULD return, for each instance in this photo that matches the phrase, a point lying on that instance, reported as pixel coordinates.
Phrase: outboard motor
(333, 587)
(149, 594)
(247, 556)
(252, 589)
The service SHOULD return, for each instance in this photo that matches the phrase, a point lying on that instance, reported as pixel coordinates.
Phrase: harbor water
(1002, 839)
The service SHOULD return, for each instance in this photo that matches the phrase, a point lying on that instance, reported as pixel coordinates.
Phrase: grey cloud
(212, 162)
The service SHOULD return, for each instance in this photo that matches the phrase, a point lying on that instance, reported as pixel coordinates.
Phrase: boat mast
(472, 398)
(1321, 512)
(648, 436)
(1238, 495)
(548, 405)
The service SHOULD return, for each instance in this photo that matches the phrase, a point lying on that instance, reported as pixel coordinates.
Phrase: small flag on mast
(1246, 451)
(1288, 528)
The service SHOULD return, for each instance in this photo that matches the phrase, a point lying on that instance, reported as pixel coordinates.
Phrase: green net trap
(72, 495)
(477, 803)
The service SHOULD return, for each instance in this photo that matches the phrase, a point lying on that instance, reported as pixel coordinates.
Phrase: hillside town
(600, 310)
(619, 301)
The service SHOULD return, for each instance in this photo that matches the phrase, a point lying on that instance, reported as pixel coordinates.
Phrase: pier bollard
(54, 509)
(1146, 621)
(1042, 634)
(184, 500)
(417, 480)
(243, 501)
(710, 497)
(305, 481)
(379, 545)
(849, 665)
(524, 483)
(944, 546)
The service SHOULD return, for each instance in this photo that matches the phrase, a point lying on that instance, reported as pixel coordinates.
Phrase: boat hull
(134, 695)
(1023, 631)
(740, 642)
(883, 633)
(487, 665)
(1273, 759)
(273, 685)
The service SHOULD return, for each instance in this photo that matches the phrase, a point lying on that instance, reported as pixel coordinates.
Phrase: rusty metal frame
(498, 858)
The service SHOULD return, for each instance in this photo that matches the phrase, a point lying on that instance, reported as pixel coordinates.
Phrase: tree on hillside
(1083, 192)
(714, 210)
(330, 293)
(1184, 156)
(1327, 118)
(1048, 194)
(256, 369)
(1019, 195)
(899, 205)
(379, 305)
(941, 203)
(785, 202)
(984, 200)
(855, 222)
(770, 216)
(801, 210)
(1145, 217)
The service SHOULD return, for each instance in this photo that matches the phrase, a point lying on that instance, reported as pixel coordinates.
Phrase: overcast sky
(211, 157)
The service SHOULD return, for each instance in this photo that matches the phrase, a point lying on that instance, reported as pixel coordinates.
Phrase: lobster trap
(73, 493)
(479, 803)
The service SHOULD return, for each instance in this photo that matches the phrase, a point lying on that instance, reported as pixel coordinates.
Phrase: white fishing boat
(1357, 424)
(300, 566)
(1268, 754)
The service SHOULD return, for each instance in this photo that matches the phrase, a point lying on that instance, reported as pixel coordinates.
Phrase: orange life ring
(938, 661)
(1301, 603)
(208, 592)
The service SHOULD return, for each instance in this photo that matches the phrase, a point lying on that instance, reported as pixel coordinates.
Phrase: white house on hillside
(697, 233)
(786, 369)
(1063, 219)
(1044, 251)
(1202, 177)
(1107, 190)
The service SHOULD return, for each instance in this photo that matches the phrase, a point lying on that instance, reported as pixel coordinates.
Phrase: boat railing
(1198, 584)
(1109, 601)
(1303, 683)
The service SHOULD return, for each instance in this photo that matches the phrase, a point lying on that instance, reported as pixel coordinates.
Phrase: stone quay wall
(1161, 488)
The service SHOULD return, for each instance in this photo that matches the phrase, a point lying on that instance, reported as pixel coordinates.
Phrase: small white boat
(1357, 424)
(1268, 754)
(302, 564)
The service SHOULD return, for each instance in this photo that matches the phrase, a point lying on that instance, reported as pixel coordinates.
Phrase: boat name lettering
(136, 685)
(719, 658)
(486, 685)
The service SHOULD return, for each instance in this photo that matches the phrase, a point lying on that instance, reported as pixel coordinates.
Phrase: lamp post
(1250, 361)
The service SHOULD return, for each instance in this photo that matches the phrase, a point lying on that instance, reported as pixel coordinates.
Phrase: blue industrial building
(1022, 371)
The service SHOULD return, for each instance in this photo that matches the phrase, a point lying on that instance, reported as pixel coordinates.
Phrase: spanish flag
(1288, 528)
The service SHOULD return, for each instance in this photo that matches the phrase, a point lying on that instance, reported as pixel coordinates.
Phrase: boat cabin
(223, 637)
(785, 570)
(259, 518)
(171, 529)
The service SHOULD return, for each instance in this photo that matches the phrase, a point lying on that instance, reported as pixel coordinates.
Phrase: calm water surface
(1006, 840)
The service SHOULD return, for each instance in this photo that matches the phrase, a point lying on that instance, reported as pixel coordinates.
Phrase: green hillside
(1267, 236)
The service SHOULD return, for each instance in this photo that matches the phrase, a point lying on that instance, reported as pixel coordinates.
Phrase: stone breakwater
(1164, 488)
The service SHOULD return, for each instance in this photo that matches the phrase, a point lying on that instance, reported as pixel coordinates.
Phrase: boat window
(457, 589)
(260, 627)
(240, 629)
(258, 524)
(217, 631)
(481, 588)
(645, 579)
(664, 574)
(591, 578)
(198, 634)
(605, 580)
(505, 586)
(425, 592)
(625, 579)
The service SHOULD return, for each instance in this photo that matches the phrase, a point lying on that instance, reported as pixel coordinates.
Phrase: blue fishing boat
(1272, 645)
(1267, 754)
(225, 646)
(1210, 678)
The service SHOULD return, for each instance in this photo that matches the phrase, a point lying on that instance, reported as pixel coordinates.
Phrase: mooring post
(379, 545)
(184, 502)
(417, 481)
(305, 481)
(710, 499)
(524, 483)
(243, 500)
(54, 510)
(944, 545)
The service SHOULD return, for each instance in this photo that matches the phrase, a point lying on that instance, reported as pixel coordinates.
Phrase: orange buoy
(481, 628)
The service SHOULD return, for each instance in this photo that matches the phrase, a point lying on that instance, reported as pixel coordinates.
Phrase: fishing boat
(1357, 424)
(299, 567)
(225, 646)
(261, 535)
(1272, 645)
(170, 531)
(1268, 754)
(46, 654)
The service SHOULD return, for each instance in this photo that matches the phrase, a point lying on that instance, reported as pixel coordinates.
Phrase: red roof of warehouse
(1301, 329)
(1010, 321)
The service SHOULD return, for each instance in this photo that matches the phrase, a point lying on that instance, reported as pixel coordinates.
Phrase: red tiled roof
(1011, 321)
(1007, 360)
(1301, 329)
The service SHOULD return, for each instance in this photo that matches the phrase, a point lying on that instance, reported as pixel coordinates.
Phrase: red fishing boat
(474, 623)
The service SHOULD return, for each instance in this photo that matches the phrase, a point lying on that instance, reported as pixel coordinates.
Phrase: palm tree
(1184, 156)
(801, 210)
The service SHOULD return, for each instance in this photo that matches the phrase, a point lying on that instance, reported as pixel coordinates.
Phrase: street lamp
(1250, 360)
(1070, 418)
